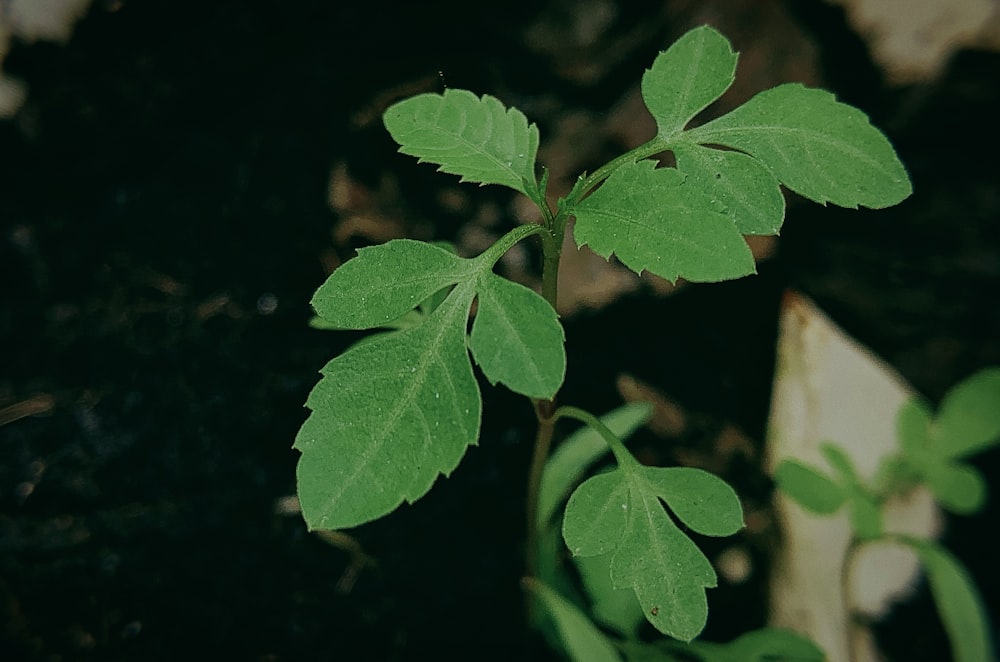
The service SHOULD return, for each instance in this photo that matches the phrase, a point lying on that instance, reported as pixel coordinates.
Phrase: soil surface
(183, 176)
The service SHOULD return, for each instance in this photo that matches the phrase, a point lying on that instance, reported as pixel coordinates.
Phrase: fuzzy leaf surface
(654, 220)
(571, 458)
(477, 138)
(749, 192)
(687, 77)
(384, 283)
(387, 417)
(818, 147)
(621, 513)
(517, 339)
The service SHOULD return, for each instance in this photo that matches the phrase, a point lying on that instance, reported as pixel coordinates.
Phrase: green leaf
(620, 512)
(865, 515)
(764, 645)
(652, 219)
(820, 148)
(517, 339)
(958, 602)
(612, 607)
(387, 418)
(968, 420)
(809, 488)
(583, 641)
(913, 423)
(957, 486)
(474, 137)
(385, 282)
(841, 463)
(568, 463)
(687, 77)
(751, 194)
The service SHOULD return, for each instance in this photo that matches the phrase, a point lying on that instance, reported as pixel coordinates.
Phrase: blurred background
(177, 178)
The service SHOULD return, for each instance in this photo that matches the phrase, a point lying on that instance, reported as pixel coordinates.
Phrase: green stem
(645, 150)
(622, 456)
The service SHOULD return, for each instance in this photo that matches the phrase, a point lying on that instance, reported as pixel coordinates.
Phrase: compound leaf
(384, 283)
(750, 193)
(475, 137)
(571, 458)
(387, 417)
(958, 602)
(621, 513)
(809, 488)
(968, 420)
(687, 77)
(820, 148)
(517, 339)
(652, 219)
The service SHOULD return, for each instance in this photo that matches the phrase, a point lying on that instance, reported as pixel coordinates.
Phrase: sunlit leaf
(517, 339)
(749, 192)
(957, 486)
(653, 221)
(385, 282)
(820, 148)
(687, 77)
(913, 423)
(475, 137)
(387, 418)
(621, 513)
(574, 455)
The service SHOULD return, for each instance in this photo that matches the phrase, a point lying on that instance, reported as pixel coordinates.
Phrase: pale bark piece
(829, 388)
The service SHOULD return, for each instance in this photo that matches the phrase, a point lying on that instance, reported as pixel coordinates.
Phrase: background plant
(392, 413)
(932, 452)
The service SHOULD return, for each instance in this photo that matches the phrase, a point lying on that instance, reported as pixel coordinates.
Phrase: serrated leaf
(387, 418)
(385, 282)
(582, 640)
(687, 77)
(652, 220)
(958, 602)
(818, 147)
(809, 488)
(477, 138)
(571, 458)
(750, 193)
(968, 419)
(620, 512)
(517, 339)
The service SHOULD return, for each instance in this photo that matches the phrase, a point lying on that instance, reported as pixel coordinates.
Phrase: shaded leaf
(387, 418)
(582, 640)
(764, 645)
(517, 339)
(818, 147)
(958, 602)
(385, 282)
(474, 137)
(687, 77)
(652, 220)
(615, 608)
(750, 193)
(809, 488)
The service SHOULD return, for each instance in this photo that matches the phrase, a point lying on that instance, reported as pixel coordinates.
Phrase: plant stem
(847, 597)
(543, 442)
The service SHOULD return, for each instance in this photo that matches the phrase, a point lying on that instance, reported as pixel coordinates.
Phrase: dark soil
(165, 218)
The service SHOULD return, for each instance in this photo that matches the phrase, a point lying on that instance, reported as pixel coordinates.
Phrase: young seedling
(392, 413)
(932, 450)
